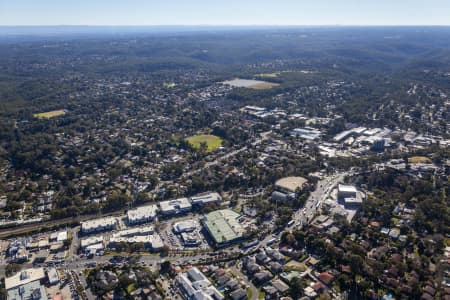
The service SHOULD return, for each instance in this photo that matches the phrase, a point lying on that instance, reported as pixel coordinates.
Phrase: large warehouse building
(223, 226)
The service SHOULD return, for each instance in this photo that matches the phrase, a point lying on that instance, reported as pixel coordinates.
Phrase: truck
(291, 222)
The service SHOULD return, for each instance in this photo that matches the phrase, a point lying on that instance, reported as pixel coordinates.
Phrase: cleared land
(419, 160)
(251, 84)
(291, 184)
(268, 75)
(50, 114)
(213, 142)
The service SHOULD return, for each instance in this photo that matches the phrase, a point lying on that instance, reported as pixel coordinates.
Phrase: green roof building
(223, 226)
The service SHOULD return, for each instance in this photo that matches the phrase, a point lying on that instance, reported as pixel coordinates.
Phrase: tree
(297, 286)
(12, 269)
(165, 251)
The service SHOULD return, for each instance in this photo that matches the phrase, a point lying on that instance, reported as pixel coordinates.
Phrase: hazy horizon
(225, 13)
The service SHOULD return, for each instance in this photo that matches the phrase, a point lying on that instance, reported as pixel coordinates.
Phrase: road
(237, 272)
(306, 214)
(316, 198)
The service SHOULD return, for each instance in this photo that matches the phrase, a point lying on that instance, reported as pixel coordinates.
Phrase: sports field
(50, 114)
(213, 142)
(169, 84)
(419, 160)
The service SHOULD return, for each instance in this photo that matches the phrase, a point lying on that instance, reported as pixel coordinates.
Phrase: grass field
(50, 114)
(213, 142)
(268, 75)
(170, 84)
(419, 160)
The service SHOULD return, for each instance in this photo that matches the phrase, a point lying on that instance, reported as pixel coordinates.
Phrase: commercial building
(91, 242)
(142, 214)
(223, 226)
(176, 206)
(378, 145)
(196, 286)
(151, 242)
(53, 277)
(306, 133)
(191, 239)
(144, 230)
(206, 198)
(28, 291)
(185, 226)
(97, 225)
(349, 196)
(346, 191)
(24, 277)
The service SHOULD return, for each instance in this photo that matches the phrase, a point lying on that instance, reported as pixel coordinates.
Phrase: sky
(224, 12)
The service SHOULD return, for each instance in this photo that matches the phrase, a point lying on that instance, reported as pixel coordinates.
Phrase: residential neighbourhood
(217, 165)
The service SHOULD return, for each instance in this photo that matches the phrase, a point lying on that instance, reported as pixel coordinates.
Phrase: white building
(101, 224)
(142, 214)
(206, 198)
(153, 242)
(177, 206)
(89, 241)
(196, 286)
(144, 230)
(349, 196)
(346, 191)
(53, 277)
(185, 226)
(24, 277)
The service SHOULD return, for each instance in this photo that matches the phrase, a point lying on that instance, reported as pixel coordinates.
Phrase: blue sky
(225, 12)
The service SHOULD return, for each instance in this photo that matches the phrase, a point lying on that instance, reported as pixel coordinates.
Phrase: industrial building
(206, 198)
(177, 206)
(97, 225)
(142, 214)
(196, 286)
(223, 226)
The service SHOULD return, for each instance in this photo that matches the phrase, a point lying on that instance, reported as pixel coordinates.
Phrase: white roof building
(185, 226)
(176, 206)
(154, 241)
(206, 198)
(197, 286)
(346, 188)
(142, 214)
(62, 236)
(24, 277)
(100, 224)
(85, 242)
(144, 230)
(52, 275)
